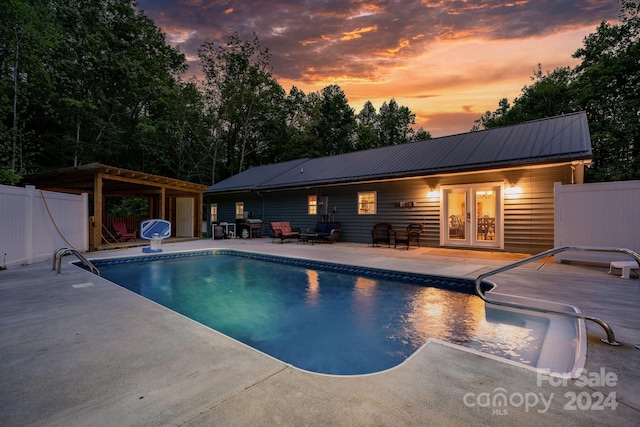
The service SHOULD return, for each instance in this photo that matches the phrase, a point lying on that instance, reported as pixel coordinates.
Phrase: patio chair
(456, 227)
(121, 231)
(282, 230)
(381, 233)
(411, 234)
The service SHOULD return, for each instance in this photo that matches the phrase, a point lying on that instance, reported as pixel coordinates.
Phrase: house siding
(528, 217)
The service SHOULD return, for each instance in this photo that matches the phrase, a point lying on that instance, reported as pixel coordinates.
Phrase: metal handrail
(611, 340)
(60, 252)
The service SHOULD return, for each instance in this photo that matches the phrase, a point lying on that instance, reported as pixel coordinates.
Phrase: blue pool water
(321, 317)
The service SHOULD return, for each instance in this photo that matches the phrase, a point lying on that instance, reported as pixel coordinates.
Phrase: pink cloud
(447, 61)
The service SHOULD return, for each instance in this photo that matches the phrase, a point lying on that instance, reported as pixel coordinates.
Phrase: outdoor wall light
(433, 194)
(513, 190)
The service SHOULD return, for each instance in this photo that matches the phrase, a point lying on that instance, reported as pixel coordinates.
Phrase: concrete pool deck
(78, 350)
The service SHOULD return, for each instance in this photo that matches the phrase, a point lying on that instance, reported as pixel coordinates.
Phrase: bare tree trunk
(15, 100)
(215, 156)
(76, 154)
(245, 131)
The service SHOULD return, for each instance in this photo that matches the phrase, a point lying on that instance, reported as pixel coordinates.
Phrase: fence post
(86, 228)
(28, 232)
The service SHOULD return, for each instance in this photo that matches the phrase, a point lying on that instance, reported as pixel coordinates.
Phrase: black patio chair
(381, 233)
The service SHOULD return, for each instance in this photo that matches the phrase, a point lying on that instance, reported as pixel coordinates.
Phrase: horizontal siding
(528, 217)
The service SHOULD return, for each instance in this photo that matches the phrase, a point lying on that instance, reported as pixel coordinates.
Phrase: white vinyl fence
(599, 214)
(35, 223)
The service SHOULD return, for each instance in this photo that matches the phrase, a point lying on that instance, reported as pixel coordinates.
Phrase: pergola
(102, 181)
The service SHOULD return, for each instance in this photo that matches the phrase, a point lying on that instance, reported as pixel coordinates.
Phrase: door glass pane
(457, 210)
(486, 201)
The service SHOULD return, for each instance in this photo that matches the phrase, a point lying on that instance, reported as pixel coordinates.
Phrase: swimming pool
(332, 318)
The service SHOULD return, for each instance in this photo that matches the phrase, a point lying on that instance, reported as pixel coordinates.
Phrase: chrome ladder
(611, 340)
(60, 252)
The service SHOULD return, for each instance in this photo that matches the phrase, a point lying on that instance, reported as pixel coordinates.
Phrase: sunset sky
(448, 61)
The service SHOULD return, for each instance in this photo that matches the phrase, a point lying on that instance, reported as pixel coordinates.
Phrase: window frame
(213, 212)
(239, 210)
(366, 207)
(312, 204)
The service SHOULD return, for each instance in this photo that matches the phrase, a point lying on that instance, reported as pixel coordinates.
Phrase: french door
(472, 215)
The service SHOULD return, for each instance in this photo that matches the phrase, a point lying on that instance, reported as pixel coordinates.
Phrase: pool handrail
(60, 252)
(611, 340)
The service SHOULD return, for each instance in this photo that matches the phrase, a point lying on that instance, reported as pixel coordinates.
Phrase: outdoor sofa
(282, 230)
(325, 232)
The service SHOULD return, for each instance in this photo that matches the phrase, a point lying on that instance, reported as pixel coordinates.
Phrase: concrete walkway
(76, 349)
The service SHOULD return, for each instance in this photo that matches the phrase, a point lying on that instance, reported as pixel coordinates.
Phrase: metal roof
(247, 180)
(550, 140)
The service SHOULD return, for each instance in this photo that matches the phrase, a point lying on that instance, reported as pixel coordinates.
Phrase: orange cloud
(357, 33)
(402, 44)
(449, 62)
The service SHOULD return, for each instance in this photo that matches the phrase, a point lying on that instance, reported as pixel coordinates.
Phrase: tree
(83, 76)
(299, 140)
(395, 123)
(368, 127)
(28, 31)
(175, 134)
(335, 123)
(240, 90)
(606, 84)
(84, 81)
(549, 95)
(115, 66)
(421, 135)
(391, 126)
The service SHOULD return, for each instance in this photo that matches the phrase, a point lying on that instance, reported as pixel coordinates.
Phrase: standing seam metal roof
(561, 138)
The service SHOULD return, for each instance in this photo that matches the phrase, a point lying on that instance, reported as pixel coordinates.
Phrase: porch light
(433, 194)
(513, 190)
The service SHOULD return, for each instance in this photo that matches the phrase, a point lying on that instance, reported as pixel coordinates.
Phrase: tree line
(85, 81)
(606, 84)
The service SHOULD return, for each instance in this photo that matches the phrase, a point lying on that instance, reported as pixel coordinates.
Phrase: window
(367, 203)
(312, 205)
(239, 210)
(214, 213)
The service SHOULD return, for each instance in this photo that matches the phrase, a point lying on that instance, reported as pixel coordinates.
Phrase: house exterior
(491, 189)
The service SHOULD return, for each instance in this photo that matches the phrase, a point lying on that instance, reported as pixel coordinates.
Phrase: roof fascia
(586, 162)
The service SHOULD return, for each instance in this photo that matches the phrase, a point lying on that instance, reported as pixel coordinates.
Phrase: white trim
(471, 230)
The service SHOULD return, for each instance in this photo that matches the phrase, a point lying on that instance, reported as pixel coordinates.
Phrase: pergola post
(95, 234)
(163, 209)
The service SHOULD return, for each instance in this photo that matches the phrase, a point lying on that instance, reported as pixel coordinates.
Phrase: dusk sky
(448, 61)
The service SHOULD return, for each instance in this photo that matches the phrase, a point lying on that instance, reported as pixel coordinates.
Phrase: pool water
(325, 319)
